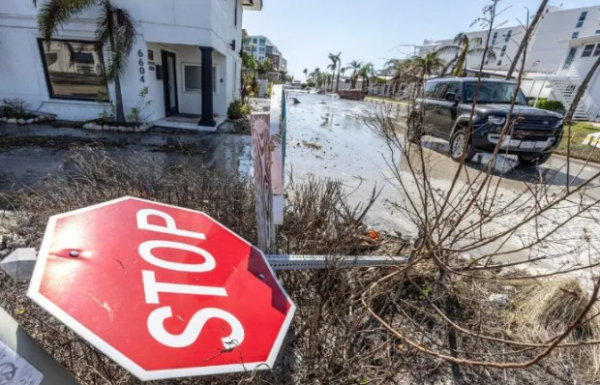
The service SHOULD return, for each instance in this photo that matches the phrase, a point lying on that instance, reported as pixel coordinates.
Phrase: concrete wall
(534, 88)
(550, 43)
(178, 25)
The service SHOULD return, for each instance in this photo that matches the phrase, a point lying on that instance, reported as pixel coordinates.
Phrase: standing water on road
(328, 137)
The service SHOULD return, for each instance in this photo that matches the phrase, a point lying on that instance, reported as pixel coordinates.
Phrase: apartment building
(263, 48)
(561, 51)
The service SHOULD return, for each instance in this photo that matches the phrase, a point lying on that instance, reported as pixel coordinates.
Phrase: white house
(187, 52)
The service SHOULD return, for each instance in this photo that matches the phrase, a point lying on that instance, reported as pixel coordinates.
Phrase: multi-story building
(504, 42)
(262, 48)
(561, 51)
(186, 53)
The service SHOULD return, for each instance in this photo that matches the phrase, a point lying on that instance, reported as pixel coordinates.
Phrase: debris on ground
(499, 299)
(311, 145)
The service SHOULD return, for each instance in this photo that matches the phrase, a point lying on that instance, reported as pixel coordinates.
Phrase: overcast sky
(371, 30)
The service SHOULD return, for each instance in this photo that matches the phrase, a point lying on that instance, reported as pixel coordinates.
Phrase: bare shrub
(480, 239)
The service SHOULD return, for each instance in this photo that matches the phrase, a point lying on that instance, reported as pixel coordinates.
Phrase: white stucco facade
(178, 27)
(505, 42)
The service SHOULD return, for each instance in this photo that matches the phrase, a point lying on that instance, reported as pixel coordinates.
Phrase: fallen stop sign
(164, 291)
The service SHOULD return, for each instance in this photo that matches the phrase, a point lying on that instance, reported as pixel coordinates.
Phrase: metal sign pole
(315, 262)
(23, 361)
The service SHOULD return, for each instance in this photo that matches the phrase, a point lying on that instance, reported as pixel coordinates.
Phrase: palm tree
(339, 64)
(355, 66)
(366, 71)
(426, 65)
(317, 77)
(333, 66)
(264, 67)
(115, 27)
(403, 71)
(463, 46)
(306, 73)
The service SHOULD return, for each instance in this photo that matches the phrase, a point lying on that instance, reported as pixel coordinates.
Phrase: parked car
(444, 112)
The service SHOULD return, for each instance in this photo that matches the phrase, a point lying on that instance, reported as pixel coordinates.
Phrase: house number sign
(141, 63)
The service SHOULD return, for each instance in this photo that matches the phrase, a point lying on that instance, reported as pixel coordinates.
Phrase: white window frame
(215, 78)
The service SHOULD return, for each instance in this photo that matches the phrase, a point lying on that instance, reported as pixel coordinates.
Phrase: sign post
(166, 292)
(23, 361)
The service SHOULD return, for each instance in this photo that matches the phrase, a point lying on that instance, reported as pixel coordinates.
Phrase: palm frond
(116, 64)
(448, 49)
(56, 13)
(476, 41)
(460, 39)
(125, 31)
(480, 51)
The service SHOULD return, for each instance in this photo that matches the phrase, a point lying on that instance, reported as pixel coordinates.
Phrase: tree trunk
(581, 91)
(448, 66)
(337, 86)
(528, 33)
(119, 101)
(120, 111)
(332, 79)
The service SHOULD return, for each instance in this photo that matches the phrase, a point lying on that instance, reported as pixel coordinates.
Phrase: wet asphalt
(327, 138)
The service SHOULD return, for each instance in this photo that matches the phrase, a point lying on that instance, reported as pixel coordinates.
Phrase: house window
(74, 70)
(597, 50)
(598, 32)
(235, 79)
(262, 41)
(255, 40)
(587, 50)
(581, 19)
(570, 57)
(499, 62)
(508, 36)
(192, 78)
(503, 51)
(575, 35)
(235, 12)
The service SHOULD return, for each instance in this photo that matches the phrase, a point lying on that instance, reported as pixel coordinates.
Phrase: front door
(170, 82)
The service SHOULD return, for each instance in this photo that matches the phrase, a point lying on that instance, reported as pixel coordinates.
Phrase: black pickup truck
(445, 110)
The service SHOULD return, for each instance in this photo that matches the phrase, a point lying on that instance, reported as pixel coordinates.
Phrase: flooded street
(327, 138)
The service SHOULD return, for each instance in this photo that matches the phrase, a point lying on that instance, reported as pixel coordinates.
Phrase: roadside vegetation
(498, 288)
(578, 150)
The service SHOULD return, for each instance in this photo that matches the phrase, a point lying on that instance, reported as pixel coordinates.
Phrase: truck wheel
(460, 146)
(534, 159)
(414, 129)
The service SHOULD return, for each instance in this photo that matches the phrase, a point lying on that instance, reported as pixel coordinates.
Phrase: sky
(306, 31)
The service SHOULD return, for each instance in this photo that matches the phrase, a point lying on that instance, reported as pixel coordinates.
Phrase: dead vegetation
(334, 339)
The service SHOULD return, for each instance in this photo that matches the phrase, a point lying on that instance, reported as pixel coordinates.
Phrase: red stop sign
(164, 291)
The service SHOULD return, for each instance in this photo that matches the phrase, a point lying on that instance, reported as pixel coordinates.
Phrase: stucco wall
(551, 40)
(161, 24)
